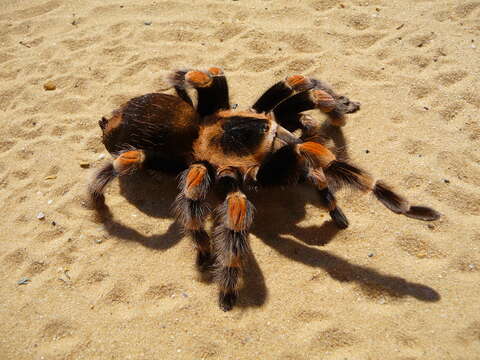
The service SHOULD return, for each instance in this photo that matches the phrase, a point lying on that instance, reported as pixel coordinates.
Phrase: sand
(388, 287)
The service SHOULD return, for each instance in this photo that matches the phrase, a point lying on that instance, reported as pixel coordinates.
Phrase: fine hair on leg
(233, 217)
(191, 210)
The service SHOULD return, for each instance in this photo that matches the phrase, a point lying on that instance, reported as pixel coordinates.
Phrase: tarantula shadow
(279, 211)
(153, 196)
(213, 148)
(142, 191)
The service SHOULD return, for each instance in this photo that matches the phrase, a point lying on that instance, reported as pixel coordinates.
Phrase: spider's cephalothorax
(211, 145)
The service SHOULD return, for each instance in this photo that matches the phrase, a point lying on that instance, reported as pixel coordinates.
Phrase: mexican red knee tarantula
(211, 145)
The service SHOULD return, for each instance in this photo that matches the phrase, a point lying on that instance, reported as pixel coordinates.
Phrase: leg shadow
(278, 216)
(153, 196)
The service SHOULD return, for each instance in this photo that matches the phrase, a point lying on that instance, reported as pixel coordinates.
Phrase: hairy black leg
(125, 163)
(281, 91)
(289, 166)
(211, 87)
(327, 198)
(191, 209)
(234, 217)
(339, 172)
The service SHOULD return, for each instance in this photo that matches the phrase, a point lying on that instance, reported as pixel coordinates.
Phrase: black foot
(339, 218)
(227, 300)
(422, 213)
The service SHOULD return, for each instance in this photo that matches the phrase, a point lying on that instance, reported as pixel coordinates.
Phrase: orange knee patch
(237, 212)
(324, 101)
(198, 78)
(129, 161)
(215, 71)
(298, 82)
(195, 177)
(316, 153)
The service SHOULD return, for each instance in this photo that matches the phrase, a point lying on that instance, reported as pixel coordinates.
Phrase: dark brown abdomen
(163, 125)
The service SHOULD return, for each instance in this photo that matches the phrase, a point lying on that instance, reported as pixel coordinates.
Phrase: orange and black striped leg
(126, 163)
(234, 218)
(191, 209)
(211, 87)
(318, 179)
(318, 156)
(281, 91)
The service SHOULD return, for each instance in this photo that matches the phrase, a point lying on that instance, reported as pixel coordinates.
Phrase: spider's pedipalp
(191, 209)
(288, 113)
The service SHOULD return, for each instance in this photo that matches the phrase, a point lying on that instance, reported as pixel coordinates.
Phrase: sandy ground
(388, 287)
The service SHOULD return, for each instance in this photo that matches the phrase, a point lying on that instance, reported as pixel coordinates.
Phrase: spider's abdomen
(160, 123)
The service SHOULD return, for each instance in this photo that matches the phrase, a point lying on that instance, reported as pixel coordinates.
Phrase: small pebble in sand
(147, 23)
(446, 181)
(367, 151)
(431, 226)
(23, 281)
(101, 156)
(84, 164)
(54, 223)
(98, 241)
(49, 202)
(49, 86)
(50, 177)
(40, 216)
(371, 254)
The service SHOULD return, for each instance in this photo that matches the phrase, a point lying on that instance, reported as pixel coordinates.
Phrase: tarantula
(210, 145)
